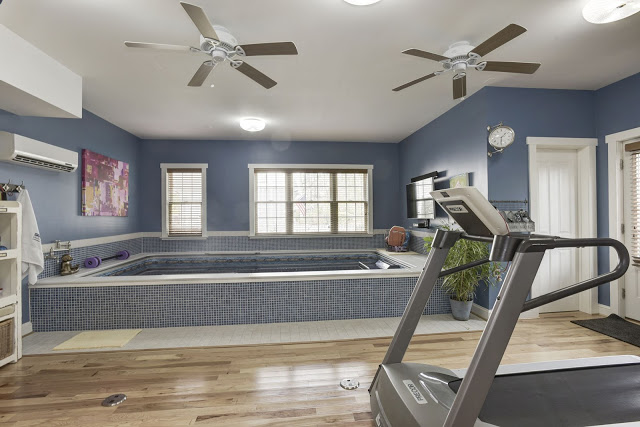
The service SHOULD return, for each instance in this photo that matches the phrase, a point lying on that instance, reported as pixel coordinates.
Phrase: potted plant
(461, 286)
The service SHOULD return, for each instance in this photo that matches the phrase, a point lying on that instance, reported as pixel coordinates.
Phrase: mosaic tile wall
(52, 267)
(158, 306)
(416, 244)
(244, 243)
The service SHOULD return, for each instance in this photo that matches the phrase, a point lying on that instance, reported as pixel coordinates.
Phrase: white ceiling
(338, 88)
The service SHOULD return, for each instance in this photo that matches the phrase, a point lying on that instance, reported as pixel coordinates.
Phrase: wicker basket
(6, 338)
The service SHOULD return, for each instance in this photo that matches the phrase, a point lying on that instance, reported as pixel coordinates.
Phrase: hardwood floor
(282, 384)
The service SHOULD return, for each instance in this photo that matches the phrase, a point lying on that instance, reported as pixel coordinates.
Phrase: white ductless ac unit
(19, 149)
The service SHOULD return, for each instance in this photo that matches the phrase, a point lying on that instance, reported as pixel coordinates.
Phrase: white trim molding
(82, 243)
(27, 328)
(480, 311)
(587, 206)
(252, 168)
(165, 204)
(615, 153)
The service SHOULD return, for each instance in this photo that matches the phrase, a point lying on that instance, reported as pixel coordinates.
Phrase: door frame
(615, 150)
(585, 149)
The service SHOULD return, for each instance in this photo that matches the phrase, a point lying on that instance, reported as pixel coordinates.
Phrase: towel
(32, 256)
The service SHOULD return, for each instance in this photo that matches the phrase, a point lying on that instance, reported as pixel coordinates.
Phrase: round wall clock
(500, 137)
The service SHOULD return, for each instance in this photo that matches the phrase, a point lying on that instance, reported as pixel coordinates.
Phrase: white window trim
(252, 213)
(615, 151)
(165, 212)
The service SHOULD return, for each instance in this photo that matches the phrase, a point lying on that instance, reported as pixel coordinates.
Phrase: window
(184, 207)
(310, 199)
(633, 150)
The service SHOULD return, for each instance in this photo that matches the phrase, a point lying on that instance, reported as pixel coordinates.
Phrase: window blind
(634, 198)
(184, 202)
(311, 201)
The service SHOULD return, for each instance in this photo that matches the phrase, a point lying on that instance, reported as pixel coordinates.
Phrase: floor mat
(615, 327)
(99, 339)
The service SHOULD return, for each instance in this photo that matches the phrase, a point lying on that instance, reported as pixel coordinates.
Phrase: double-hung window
(184, 200)
(310, 199)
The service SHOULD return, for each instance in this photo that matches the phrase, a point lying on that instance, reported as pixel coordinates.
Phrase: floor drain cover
(349, 384)
(114, 399)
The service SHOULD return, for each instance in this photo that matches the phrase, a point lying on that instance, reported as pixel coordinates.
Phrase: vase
(461, 310)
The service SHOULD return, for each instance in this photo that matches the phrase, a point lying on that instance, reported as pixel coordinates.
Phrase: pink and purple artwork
(105, 185)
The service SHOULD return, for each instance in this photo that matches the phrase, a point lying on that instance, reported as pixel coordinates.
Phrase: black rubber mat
(568, 398)
(615, 327)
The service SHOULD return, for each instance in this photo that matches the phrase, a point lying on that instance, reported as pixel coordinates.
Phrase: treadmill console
(472, 211)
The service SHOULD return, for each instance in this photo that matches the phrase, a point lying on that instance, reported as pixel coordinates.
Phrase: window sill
(308, 236)
(183, 238)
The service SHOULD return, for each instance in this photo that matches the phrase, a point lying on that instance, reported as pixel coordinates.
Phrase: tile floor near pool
(270, 333)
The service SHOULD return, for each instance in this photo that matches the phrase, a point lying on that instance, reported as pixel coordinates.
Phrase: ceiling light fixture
(252, 124)
(605, 11)
(361, 2)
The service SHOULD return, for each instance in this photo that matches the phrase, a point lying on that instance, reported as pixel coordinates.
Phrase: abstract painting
(105, 185)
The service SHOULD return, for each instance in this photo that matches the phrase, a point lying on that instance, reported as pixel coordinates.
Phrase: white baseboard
(27, 328)
(604, 310)
(480, 311)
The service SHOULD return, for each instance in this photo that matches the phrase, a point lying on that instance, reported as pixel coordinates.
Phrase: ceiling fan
(462, 55)
(221, 46)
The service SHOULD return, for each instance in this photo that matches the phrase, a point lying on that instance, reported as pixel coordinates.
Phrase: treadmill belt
(569, 397)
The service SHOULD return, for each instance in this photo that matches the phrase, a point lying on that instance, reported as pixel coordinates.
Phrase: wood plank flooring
(262, 385)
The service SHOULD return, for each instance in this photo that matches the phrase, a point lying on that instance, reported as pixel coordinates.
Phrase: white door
(632, 278)
(557, 216)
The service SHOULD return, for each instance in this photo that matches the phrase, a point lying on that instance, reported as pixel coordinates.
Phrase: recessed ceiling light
(605, 11)
(361, 2)
(213, 85)
(252, 124)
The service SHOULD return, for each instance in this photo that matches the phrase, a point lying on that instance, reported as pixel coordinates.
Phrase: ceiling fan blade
(512, 67)
(280, 48)
(201, 75)
(161, 46)
(503, 36)
(460, 87)
(426, 55)
(256, 75)
(411, 83)
(200, 20)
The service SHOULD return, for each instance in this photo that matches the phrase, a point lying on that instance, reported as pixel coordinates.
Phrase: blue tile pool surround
(212, 244)
(244, 243)
(52, 267)
(159, 306)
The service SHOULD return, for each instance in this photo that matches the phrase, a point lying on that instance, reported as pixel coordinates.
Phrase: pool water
(282, 263)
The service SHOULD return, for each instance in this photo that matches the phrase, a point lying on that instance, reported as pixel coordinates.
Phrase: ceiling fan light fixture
(362, 2)
(252, 124)
(605, 11)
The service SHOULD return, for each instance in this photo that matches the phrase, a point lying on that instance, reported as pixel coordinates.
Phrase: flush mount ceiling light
(361, 2)
(605, 11)
(252, 124)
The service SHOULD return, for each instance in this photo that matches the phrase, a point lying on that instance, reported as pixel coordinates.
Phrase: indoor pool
(255, 263)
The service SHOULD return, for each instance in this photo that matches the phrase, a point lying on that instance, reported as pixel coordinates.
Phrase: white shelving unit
(11, 279)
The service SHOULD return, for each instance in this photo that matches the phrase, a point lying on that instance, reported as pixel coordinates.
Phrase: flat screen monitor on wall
(420, 204)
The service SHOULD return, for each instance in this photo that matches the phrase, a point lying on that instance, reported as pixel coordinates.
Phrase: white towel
(32, 256)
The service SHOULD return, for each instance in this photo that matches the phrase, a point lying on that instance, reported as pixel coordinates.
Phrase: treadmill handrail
(538, 245)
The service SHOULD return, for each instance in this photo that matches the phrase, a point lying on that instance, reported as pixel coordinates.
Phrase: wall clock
(500, 137)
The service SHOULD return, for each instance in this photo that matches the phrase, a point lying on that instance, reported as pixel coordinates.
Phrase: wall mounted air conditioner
(18, 149)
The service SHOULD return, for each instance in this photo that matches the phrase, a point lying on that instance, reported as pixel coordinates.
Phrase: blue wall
(228, 175)
(451, 144)
(617, 108)
(56, 195)
(454, 143)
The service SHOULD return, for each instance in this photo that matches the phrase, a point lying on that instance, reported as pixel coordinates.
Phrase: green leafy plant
(462, 286)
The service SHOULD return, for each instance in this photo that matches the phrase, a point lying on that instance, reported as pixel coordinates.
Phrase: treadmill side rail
(494, 340)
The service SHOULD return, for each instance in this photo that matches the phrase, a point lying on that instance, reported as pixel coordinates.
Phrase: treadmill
(580, 392)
